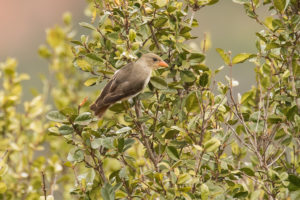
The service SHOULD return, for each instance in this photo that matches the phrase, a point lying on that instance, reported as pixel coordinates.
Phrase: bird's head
(153, 61)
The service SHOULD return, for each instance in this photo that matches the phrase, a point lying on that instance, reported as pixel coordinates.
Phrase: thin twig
(240, 139)
(151, 29)
(44, 185)
(204, 44)
(269, 165)
(145, 139)
(4, 154)
(197, 167)
(292, 77)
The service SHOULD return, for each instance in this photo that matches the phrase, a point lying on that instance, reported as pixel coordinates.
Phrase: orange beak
(163, 64)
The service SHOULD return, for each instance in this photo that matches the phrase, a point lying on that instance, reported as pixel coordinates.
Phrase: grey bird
(127, 82)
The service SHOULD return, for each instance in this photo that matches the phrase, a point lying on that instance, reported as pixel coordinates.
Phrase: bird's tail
(99, 110)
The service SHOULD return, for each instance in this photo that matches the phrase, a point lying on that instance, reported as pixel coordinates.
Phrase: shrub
(187, 136)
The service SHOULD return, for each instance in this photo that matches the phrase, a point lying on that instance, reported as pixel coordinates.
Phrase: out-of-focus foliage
(186, 136)
(26, 147)
(23, 139)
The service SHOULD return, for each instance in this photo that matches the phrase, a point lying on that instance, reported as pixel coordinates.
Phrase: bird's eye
(154, 59)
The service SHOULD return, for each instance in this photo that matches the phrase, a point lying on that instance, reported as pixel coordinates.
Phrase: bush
(187, 136)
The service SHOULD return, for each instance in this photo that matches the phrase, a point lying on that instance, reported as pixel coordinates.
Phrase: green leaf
(295, 180)
(295, 195)
(132, 35)
(91, 81)
(158, 83)
(171, 134)
(75, 155)
(103, 19)
(117, 107)
(247, 171)
(93, 58)
(108, 143)
(247, 96)
(204, 191)
(224, 56)
(76, 42)
(56, 116)
(83, 65)
(178, 129)
(68, 111)
(284, 176)
(212, 144)
(96, 143)
(196, 59)
(272, 45)
(117, 186)
(172, 153)
(241, 1)
(83, 119)
(90, 176)
(219, 69)
(87, 25)
(240, 58)
(241, 195)
(146, 95)
(78, 155)
(184, 178)
(211, 2)
(203, 81)
(160, 22)
(121, 142)
(44, 52)
(192, 122)
(3, 187)
(161, 3)
(65, 129)
(187, 76)
(107, 192)
(54, 131)
(185, 29)
(274, 119)
(280, 4)
(128, 143)
(123, 173)
(113, 37)
(123, 130)
(191, 102)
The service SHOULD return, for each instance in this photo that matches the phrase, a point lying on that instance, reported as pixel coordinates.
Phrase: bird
(127, 82)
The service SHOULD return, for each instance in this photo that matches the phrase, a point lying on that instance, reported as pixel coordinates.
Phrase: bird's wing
(124, 90)
(121, 76)
(120, 87)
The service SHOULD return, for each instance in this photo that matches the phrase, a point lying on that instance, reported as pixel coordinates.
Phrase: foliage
(23, 139)
(186, 136)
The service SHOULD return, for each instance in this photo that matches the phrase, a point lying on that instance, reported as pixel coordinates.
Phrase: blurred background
(23, 25)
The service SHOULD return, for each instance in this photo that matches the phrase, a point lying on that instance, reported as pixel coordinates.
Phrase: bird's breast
(147, 80)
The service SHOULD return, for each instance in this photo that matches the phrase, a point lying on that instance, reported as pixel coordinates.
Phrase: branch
(144, 137)
(151, 29)
(292, 77)
(146, 141)
(269, 165)
(197, 167)
(44, 185)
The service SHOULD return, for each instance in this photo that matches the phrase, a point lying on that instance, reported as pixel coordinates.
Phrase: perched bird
(127, 82)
